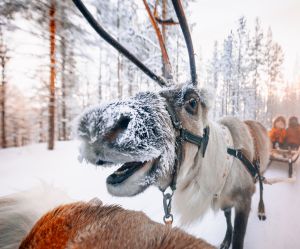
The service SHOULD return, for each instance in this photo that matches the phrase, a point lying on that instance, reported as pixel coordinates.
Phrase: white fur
(20, 211)
(200, 178)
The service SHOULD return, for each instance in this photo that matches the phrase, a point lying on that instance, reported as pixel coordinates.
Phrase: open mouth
(125, 171)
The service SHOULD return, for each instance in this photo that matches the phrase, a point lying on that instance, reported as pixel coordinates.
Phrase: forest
(53, 65)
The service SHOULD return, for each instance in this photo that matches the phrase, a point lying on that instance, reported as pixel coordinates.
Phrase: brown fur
(89, 225)
(260, 134)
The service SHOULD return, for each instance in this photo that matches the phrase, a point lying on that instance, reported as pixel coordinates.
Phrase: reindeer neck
(200, 178)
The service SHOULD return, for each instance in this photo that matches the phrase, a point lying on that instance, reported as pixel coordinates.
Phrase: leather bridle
(182, 135)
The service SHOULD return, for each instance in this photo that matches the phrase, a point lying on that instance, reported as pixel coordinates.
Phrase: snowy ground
(22, 168)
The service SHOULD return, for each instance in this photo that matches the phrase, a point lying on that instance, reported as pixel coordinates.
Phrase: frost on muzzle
(136, 133)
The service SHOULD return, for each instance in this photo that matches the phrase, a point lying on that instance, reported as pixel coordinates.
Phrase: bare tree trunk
(88, 96)
(119, 66)
(167, 68)
(255, 95)
(3, 113)
(100, 97)
(63, 47)
(3, 58)
(41, 128)
(164, 35)
(120, 90)
(16, 134)
(177, 59)
(130, 89)
(52, 31)
(226, 98)
(63, 89)
(100, 75)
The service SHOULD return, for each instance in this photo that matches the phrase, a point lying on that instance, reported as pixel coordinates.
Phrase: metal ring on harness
(168, 220)
(167, 203)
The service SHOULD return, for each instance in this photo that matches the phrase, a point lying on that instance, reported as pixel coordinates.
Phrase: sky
(215, 18)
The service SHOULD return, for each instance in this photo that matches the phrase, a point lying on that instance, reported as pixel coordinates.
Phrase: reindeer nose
(120, 126)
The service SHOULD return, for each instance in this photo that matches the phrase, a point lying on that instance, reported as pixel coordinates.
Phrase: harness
(183, 135)
(253, 168)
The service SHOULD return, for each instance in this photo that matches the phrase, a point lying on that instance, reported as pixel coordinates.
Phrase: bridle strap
(183, 135)
(254, 170)
(195, 139)
(250, 166)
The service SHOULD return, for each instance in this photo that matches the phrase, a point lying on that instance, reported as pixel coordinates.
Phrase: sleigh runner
(288, 157)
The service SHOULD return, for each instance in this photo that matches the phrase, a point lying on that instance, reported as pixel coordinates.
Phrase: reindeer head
(140, 133)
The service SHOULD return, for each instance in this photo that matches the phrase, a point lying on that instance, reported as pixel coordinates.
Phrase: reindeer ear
(207, 97)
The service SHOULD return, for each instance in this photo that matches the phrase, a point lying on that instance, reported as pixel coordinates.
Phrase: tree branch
(165, 56)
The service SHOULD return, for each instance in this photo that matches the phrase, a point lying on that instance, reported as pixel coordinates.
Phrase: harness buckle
(238, 153)
(177, 124)
(259, 177)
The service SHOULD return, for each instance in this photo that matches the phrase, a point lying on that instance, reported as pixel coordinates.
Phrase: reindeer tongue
(125, 171)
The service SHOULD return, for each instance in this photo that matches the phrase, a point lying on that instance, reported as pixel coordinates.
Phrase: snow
(23, 168)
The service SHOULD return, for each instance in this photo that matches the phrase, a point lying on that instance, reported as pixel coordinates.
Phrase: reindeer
(84, 225)
(92, 225)
(166, 139)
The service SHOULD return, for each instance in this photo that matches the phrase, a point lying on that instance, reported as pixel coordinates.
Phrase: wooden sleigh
(288, 157)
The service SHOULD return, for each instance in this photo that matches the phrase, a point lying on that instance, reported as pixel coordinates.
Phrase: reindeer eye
(191, 106)
(193, 103)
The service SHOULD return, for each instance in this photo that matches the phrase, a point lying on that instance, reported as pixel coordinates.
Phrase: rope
(275, 180)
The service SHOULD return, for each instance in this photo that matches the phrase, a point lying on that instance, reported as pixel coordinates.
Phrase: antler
(187, 36)
(108, 38)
